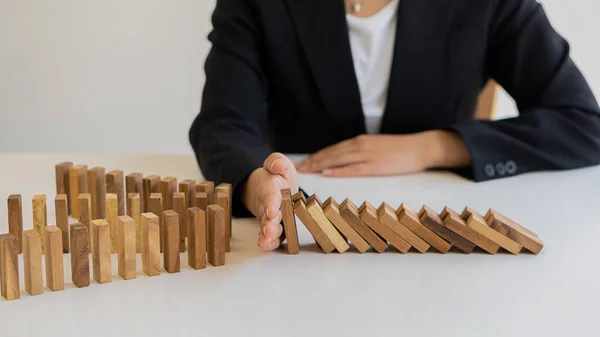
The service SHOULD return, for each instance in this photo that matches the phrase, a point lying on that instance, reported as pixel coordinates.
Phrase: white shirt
(372, 43)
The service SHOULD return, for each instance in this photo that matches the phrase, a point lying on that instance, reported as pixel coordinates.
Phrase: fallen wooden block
(289, 222)
(15, 219)
(38, 205)
(350, 214)
(411, 220)
(97, 189)
(134, 210)
(315, 210)
(9, 267)
(477, 222)
(368, 214)
(84, 205)
(55, 271)
(332, 213)
(388, 216)
(62, 219)
(299, 196)
(216, 235)
(171, 256)
(455, 223)
(77, 184)
(179, 208)
(432, 220)
(312, 198)
(112, 217)
(313, 227)
(222, 199)
(80, 255)
(150, 244)
(114, 184)
(101, 250)
(32, 262)
(62, 181)
(168, 186)
(126, 248)
(196, 226)
(151, 185)
(511, 229)
(134, 183)
(207, 187)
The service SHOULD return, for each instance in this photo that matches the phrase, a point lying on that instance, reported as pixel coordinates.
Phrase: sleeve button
(500, 169)
(489, 170)
(511, 167)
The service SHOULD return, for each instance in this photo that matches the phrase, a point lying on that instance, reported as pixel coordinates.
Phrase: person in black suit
(384, 87)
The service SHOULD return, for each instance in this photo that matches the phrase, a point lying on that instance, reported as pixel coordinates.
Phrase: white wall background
(125, 76)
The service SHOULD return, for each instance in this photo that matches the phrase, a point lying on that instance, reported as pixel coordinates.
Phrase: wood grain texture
(432, 220)
(196, 226)
(513, 230)
(112, 217)
(387, 215)
(15, 219)
(216, 235)
(84, 206)
(179, 208)
(9, 268)
(456, 224)
(134, 183)
(55, 270)
(316, 212)
(368, 214)
(134, 210)
(151, 184)
(101, 250)
(126, 248)
(207, 187)
(62, 219)
(32, 262)
(38, 206)
(476, 221)
(411, 220)
(77, 184)
(315, 230)
(150, 244)
(289, 222)
(80, 255)
(171, 256)
(168, 186)
(226, 188)
(332, 213)
(222, 199)
(97, 189)
(352, 217)
(63, 181)
(115, 184)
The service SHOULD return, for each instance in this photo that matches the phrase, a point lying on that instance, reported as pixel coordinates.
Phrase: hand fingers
(267, 243)
(271, 228)
(271, 202)
(281, 165)
(360, 169)
(342, 159)
(341, 147)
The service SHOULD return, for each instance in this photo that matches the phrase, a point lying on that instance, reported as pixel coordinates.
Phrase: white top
(372, 43)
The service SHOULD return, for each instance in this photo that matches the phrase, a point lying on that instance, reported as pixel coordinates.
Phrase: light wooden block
(228, 189)
(387, 215)
(216, 235)
(168, 186)
(171, 256)
(155, 207)
(477, 222)
(312, 198)
(9, 267)
(15, 219)
(61, 209)
(196, 226)
(77, 184)
(126, 248)
(315, 230)
(38, 205)
(289, 222)
(332, 213)
(134, 183)
(80, 255)
(32, 262)
(150, 244)
(63, 181)
(432, 220)
(299, 196)
(97, 189)
(112, 217)
(101, 250)
(351, 216)
(84, 206)
(455, 223)
(179, 208)
(188, 187)
(55, 271)
(115, 184)
(411, 220)
(202, 200)
(134, 210)
(207, 187)
(151, 184)
(511, 229)
(222, 199)
(368, 214)
(316, 212)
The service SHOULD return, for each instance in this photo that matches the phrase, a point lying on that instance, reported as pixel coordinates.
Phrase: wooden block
(55, 271)
(171, 256)
(15, 219)
(134, 211)
(168, 186)
(299, 196)
(477, 222)
(151, 244)
(80, 255)
(202, 200)
(315, 198)
(62, 219)
(315, 230)
(222, 199)
(112, 217)
(196, 226)
(353, 219)
(387, 215)
(289, 222)
(151, 185)
(126, 248)
(216, 235)
(432, 220)
(84, 206)
(332, 213)
(63, 181)
(114, 184)
(315, 210)
(101, 250)
(511, 229)
(188, 187)
(97, 189)
(207, 187)
(134, 183)
(368, 214)
(411, 220)
(9, 267)
(455, 223)
(179, 208)
(38, 205)
(226, 188)
(77, 184)
(32, 262)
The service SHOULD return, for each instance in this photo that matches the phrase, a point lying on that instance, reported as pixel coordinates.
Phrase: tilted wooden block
(350, 214)
(332, 213)
(207, 187)
(312, 198)
(150, 244)
(289, 222)
(55, 270)
(216, 235)
(97, 189)
(368, 214)
(299, 196)
(387, 216)
(114, 184)
(84, 205)
(32, 262)
(315, 230)
(222, 199)
(63, 181)
(411, 220)
(196, 226)
(455, 223)
(38, 205)
(315, 210)
(15, 219)
(134, 183)
(511, 229)
(77, 184)
(432, 220)
(9, 267)
(168, 186)
(179, 208)
(171, 256)
(62, 219)
(477, 222)
(134, 211)
(101, 248)
(151, 185)
(112, 217)
(126, 248)
(80, 255)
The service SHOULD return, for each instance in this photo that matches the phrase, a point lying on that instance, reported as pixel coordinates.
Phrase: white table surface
(312, 294)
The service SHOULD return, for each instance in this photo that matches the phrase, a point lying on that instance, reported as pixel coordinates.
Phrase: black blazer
(280, 77)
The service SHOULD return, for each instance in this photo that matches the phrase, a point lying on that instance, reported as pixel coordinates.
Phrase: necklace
(356, 6)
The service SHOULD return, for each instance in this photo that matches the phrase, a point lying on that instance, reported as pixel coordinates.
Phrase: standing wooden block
(84, 206)
(171, 257)
(55, 271)
(455, 223)
(80, 255)
(313, 227)
(134, 183)
(63, 181)
(316, 212)
(430, 219)
(222, 199)
(216, 235)
(155, 207)
(410, 219)
(477, 222)
(112, 217)
(179, 208)
(332, 213)
(97, 189)
(196, 226)
(188, 187)
(9, 267)
(168, 186)
(38, 205)
(151, 185)
(207, 187)
(521, 235)
(387, 216)
(101, 247)
(350, 214)
(368, 214)
(77, 184)
(289, 222)
(226, 188)
(134, 211)
(114, 184)
(62, 219)
(32, 262)
(150, 244)
(15, 219)
(202, 200)
(126, 251)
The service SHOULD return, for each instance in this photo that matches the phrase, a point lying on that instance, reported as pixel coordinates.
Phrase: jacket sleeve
(229, 135)
(558, 126)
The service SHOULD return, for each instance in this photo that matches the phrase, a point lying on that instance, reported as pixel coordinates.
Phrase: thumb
(281, 165)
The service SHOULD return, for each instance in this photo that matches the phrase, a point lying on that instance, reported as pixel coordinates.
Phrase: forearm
(446, 149)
